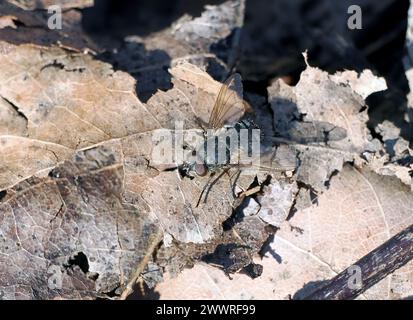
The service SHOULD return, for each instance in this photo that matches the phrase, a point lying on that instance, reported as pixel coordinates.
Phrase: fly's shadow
(290, 126)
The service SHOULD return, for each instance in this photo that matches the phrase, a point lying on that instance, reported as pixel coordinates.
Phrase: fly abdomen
(231, 145)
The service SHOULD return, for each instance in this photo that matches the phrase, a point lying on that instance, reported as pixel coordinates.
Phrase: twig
(374, 267)
(129, 288)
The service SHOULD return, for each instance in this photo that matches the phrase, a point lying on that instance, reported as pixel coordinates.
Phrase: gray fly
(218, 154)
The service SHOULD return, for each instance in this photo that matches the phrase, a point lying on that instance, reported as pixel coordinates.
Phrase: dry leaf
(276, 202)
(7, 21)
(397, 161)
(104, 193)
(78, 210)
(86, 209)
(364, 83)
(326, 105)
(360, 211)
(209, 42)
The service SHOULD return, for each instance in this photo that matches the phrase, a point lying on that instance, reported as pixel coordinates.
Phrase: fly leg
(209, 185)
(234, 183)
(225, 171)
(203, 190)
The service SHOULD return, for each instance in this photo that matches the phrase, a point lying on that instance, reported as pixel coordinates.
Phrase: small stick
(374, 266)
(251, 191)
(135, 277)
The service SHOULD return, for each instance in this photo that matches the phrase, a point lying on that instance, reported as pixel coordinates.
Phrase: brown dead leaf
(7, 21)
(326, 105)
(10, 121)
(78, 175)
(71, 101)
(276, 203)
(360, 211)
(83, 203)
(62, 106)
(78, 210)
(363, 84)
(209, 45)
(397, 160)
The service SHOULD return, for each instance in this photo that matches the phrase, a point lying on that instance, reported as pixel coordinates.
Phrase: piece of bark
(374, 266)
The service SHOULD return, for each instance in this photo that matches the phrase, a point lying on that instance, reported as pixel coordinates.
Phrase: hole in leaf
(3, 194)
(79, 260)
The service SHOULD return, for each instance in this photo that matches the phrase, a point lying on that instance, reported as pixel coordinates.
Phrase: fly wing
(280, 159)
(229, 106)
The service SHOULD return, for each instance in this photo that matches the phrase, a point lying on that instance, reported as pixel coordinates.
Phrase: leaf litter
(85, 213)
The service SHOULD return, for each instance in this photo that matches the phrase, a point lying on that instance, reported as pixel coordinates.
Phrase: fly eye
(201, 170)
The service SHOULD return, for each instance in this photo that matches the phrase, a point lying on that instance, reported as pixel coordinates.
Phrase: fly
(217, 154)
